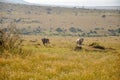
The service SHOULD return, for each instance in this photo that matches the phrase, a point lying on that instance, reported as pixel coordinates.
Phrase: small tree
(72, 29)
(118, 30)
(59, 30)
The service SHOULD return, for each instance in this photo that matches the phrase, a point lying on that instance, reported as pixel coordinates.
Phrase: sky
(76, 2)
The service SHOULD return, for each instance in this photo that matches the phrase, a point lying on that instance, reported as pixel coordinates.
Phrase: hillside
(56, 20)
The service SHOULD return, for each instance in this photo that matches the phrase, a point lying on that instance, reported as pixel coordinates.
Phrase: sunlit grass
(59, 61)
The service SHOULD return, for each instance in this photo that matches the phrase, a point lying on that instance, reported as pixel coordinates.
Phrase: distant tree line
(72, 31)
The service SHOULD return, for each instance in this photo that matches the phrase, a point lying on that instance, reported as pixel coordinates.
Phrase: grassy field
(59, 60)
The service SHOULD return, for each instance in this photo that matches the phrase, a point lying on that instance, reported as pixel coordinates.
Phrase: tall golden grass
(59, 61)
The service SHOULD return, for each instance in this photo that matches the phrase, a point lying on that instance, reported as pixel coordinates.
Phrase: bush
(59, 30)
(72, 29)
(118, 30)
(103, 16)
(97, 28)
(10, 40)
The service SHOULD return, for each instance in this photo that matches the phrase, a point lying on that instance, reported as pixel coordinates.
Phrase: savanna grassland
(59, 60)
(42, 20)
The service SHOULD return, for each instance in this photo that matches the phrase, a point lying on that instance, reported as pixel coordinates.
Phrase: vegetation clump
(10, 41)
(103, 16)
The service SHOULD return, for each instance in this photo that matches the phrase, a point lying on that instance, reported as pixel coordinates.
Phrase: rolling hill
(58, 20)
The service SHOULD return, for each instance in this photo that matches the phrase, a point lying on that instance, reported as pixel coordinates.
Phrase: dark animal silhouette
(79, 41)
(1, 35)
(45, 41)
(1, 43)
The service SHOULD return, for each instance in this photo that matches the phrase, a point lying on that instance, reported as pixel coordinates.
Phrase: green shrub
(72, 29)
(59, 30)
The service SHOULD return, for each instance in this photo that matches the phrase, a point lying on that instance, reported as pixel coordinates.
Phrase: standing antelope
(79, 41)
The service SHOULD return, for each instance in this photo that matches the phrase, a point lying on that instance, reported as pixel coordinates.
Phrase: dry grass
(61, 62)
